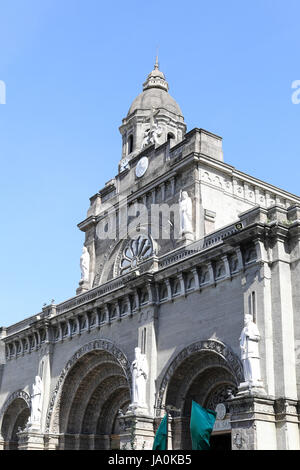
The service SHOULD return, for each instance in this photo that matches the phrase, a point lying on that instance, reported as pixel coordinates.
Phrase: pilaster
(287, 424)
(283, 319)
(253, 423)
(147, 343)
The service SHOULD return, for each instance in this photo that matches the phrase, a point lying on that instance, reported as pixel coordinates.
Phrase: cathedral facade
(189, 290)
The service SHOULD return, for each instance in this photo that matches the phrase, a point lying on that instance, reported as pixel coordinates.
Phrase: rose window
(135, 251)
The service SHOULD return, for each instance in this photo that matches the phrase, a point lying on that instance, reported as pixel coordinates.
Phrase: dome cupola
(153, 117)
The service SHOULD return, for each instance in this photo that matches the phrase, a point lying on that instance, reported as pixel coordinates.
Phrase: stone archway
(92, 388)
(202, 372)
(13, 417)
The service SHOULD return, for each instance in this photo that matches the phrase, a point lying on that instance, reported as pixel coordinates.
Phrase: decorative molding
(101, 344)
(212, 345)
(14, 396)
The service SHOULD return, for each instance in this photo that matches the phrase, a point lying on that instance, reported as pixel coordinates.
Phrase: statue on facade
(139, 371)
(85, 264)
(146, 138)
(36, 402)
(155, 133)
(249, 352)
(152, 134)
(185, 213)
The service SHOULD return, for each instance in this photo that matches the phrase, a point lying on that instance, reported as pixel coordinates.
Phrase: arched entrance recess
(92, 388)
(203, 371)
(13, 417)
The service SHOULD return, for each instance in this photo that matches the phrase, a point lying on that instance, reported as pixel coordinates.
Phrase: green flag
(201, 426)
(160, 441)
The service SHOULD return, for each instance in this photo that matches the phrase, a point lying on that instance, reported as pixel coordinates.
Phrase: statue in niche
(85, 265)
(185, 213)
(36, 401)
(139, 371)
(249, 352)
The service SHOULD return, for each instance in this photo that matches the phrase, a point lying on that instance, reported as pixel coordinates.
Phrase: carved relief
(135, 251)
(218, 181)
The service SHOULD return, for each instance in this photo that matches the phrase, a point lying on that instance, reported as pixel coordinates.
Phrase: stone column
(283, 320)
(44, 370)
(198, 207)
(287, 424)
(147, 335)
(264, 318)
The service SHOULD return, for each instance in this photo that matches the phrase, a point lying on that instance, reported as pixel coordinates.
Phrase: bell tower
(153, 118)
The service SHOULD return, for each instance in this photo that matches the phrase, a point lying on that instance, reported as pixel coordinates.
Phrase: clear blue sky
(72, 69)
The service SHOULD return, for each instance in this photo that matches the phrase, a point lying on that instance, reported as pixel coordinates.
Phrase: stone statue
(85, 264)
(146, 138)
(151, 135)
(185, 213)
(155, 133)
(249, 352)
(139, 370)
(36, 401)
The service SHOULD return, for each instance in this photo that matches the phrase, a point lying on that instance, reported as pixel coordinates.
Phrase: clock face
(141, 167)
(124, 164)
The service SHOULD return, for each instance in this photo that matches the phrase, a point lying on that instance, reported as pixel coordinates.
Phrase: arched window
(170, 136)
(130, 144)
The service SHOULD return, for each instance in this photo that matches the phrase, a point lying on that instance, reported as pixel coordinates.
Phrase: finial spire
(156, 65)
(156, 78)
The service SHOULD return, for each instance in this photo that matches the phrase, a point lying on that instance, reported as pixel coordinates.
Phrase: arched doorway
(94, 389)
(15, 415)
(203, 372)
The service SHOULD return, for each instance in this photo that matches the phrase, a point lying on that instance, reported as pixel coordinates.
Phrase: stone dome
(155, 94)
(156, 97)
